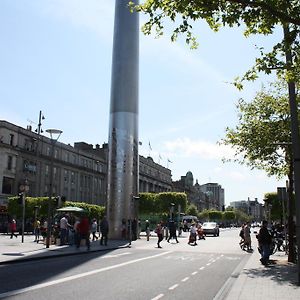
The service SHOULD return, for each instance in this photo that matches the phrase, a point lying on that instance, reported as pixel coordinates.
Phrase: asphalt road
(178, 271)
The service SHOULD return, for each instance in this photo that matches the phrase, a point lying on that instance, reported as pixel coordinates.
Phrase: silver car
(211, 228)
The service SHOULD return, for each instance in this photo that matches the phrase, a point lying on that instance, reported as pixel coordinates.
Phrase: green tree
(258, 17)
(229, 215)
(262, 137)
(272, 202)
(191, 210)
(215, 215)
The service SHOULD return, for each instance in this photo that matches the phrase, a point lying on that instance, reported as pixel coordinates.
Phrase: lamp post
(23, 188)
(54, 135)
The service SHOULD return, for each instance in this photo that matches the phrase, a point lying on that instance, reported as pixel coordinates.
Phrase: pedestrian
(193, 235)
(36, 230)
(247, 236)
(13, 228)
(147, 229)
(76, 231)
(84, 232)
(242, 236)
(94, 227)
(104, 229)
(200, 232)
(172, 230)
(134, 229)
(264, 239)
(159, 232)
(64, 228)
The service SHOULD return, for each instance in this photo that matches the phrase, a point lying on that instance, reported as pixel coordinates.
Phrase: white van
(187, 222)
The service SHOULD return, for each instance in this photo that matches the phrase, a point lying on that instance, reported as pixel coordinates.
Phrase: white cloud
(198, 148)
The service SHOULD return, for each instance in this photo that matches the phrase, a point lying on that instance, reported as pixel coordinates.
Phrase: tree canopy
(262, 137)
(258, 17)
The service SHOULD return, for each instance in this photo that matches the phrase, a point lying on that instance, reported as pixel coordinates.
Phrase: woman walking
(159, 232)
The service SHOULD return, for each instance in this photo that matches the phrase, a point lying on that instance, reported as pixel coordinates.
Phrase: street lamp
(54, 135)
(24, 188)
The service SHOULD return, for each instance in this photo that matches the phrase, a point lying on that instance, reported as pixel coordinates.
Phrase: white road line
(185, 279)
(73, 277)
(208, 264)
(173, 286)
(202, 268)
(194, 273)
(158, 297)
(116, 255)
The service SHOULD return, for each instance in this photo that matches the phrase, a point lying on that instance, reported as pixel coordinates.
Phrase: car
(211, 228)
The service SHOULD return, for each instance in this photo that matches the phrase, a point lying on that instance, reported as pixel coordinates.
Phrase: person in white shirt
(64, 227)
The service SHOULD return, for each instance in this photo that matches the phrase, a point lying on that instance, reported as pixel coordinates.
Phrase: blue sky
(55, 56)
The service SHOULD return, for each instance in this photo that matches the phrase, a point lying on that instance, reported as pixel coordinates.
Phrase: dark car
(211, 228)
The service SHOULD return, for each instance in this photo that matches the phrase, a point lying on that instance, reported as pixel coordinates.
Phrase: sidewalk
(255, 281)
(14, 251)
(252, 281)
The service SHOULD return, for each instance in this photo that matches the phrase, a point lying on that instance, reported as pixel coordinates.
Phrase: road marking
(185, 279)
(73, 277)
(173, 286)
(208, 264)
(116, 255)
(202, 268)
(158, 297)
(194, 273)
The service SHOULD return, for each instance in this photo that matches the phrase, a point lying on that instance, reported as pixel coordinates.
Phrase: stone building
(250, 207)
(79, 172)
(207, 196)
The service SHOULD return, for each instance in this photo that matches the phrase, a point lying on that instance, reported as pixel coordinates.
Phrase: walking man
(104, 228)
(265, 239)
(172, 229)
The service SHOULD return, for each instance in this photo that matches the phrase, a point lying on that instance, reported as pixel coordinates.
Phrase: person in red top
(84, 232)
(13, 228)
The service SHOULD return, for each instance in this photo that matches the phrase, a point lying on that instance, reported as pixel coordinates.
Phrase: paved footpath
(254, 281)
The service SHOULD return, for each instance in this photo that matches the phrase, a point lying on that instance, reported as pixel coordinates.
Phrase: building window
(29, 167)
(47, 171)
(11, 141)
(72, 178)
(9, 162)
(7, 186)
(66, 175)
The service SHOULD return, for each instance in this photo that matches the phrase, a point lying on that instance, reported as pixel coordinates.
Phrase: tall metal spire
(123, 127)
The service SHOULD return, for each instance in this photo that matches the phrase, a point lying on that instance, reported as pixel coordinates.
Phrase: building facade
(250, 207)
(206, 196)
(79, 172)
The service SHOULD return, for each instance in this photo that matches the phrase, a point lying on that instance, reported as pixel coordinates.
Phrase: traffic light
(20, 198)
